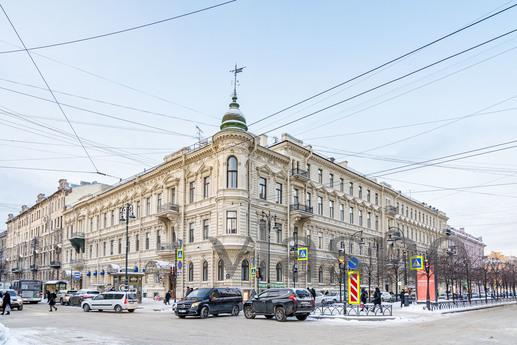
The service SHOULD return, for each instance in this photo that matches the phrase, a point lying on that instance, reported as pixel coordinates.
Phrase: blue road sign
(77, 275)
(353, 263)
(416, 262)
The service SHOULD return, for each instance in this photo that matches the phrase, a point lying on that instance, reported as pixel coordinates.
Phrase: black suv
(210, 301)
(280, 303)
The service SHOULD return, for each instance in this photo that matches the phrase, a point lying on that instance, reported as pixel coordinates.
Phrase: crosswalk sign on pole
(303, 254)
(416, 263)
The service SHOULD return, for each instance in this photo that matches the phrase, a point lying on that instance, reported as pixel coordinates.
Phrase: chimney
(263, 140)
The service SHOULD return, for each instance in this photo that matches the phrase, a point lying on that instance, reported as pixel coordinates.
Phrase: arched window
(220, 270)
(320, 275)
(231, 172)
(245, 270)
(279, 273)
(190, 272)
(205, 271)
(332, 272)
(263, 272)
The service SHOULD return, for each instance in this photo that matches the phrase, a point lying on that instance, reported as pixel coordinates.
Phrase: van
(113, 300)
(210, 301)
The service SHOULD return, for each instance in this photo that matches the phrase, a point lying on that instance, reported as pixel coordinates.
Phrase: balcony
(77, 241)
(391, 210)
(16, 270)
(301, 211)
(166, 250)
(55, 264)
(302, 175)
(168, 211)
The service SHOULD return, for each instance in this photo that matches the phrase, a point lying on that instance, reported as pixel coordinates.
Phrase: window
(360, 218)
(112, 220)
(262, 230)
(360, 192)
(158, 202)
(331, 180)
(351, 213)
(342, 212)
(104, 248)
(309, 274)
(376, 198)
(320, 242)
(205, 229)
(309, 199)
(369, 220)
(191, 191)
(331, 208)
(245, 270)
(341, 185)
(231, 172)
(190, 272)
(296, 200)
(278, 228)
(376, 222)
(205, 271)
(137, 243)
(320, 205)
(172, 195)
(231, 222)
(320, 176)
(147, 206)
(279, 273)
(146, 240)
(368, 195)
(105, 220)
(351, 188)
(220, 270)
(308, 170)
(112, 243)
(137, 213)
(262, 188)
(262, 269)
(191, 232)
(158, 240)
(332, 273)
(206, 186)
(278, 192)
(320, 275)
(120, 246)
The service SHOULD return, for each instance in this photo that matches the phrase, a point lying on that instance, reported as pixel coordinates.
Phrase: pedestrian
(167, 297)
(52, 301)
(402, 297)
(188, 291)
(364, 298)
(313, 292)
(6, 303)
(377, 300)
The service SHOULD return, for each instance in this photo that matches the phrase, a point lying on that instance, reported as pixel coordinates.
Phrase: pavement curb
(477, 308)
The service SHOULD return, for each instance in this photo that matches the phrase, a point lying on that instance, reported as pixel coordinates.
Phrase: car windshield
(131, 296)
(303, 293)
(199, 293)
(35, 286)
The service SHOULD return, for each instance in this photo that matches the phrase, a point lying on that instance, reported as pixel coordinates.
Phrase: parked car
(16, 301)
(65, 299)
(78, 298)
(387, 297)
(112, 300)
(210, 301)
(280, 303)
(329, 297)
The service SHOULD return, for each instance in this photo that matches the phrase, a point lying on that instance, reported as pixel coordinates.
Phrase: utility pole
(126, 213)
(267, 217)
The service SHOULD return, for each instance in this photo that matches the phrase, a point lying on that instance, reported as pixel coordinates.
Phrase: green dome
(233, 118)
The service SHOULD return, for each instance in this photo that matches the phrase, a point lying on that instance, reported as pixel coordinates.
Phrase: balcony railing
(78, 235)
(55, 264)
(34, 268)
(301, 208)
(169, 207)
(391, 210)
(301, 174)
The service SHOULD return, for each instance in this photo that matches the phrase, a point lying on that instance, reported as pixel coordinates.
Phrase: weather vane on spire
(235, 71)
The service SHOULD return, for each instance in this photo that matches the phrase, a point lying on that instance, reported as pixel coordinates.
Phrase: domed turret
(233, 118)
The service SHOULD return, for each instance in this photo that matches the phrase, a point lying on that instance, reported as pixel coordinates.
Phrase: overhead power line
(118, 31)
(386, 63)
(50, 90)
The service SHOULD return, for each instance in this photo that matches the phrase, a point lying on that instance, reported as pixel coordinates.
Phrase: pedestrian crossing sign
(303, 254)
(253, 273)
(416, 263)
(179, 254)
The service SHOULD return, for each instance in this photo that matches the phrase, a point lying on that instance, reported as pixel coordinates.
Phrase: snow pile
(149, 304)
(4, 335)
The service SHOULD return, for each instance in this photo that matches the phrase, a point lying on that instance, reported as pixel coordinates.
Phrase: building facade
(34, 237)
(237, 211)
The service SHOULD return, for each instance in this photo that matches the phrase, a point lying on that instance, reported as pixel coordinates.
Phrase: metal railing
(170, 206)
(368, 309)
(449, 305)
(300, 173)
(391, 210)
(167, 247)
(301, 207)
(79, 235)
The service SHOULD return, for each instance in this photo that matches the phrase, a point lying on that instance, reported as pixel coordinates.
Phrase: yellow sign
(303, 254)
(416, 263)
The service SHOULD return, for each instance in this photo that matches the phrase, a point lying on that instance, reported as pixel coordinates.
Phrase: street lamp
(267, 217)
(427, 268)
(126, 213)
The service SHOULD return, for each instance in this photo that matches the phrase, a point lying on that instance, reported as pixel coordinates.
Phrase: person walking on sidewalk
(402, 297)
(167, 298)
(364, 298)
(52, 301)
(6, 303)
(377, 299)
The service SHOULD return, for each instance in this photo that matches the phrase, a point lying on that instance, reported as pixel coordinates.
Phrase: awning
(154, 266)
(51, 282)
(112, 268)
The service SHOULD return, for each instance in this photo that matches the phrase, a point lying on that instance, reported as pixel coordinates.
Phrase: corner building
(222, 200)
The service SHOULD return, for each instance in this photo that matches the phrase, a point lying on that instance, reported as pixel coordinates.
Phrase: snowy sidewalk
(150, 305)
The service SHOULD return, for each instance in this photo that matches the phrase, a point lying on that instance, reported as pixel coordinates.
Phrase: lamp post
(126, 213)
(427, 268)
(267, 217)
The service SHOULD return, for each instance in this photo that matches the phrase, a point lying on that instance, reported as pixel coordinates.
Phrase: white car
(112, 300)
(387, 297)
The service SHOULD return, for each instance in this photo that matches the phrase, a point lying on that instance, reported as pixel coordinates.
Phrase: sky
(164, 80)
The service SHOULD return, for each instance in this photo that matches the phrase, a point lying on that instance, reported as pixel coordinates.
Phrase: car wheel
(248, 312)
(86, 308)
(280, 314)
(235, 310)
(131, 310)
(61, 301)
(204, 313)
(118, 308)
(20, 307)
(181, 316)
(302, 317)
(269, 317)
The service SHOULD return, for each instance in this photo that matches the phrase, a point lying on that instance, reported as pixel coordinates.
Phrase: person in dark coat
(6, 304)
(402, 297)
(377, 299)
(167, 297)
(312, 292)
(364, 298)
(52, 300)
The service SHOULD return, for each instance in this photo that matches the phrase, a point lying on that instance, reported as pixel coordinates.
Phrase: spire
(233, 118)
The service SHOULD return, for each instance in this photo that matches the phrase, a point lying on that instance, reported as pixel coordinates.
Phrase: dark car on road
(280, 303)
(77, 298)
(210, 301)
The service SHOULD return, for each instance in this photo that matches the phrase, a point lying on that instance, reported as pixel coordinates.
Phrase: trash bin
(406, 301)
